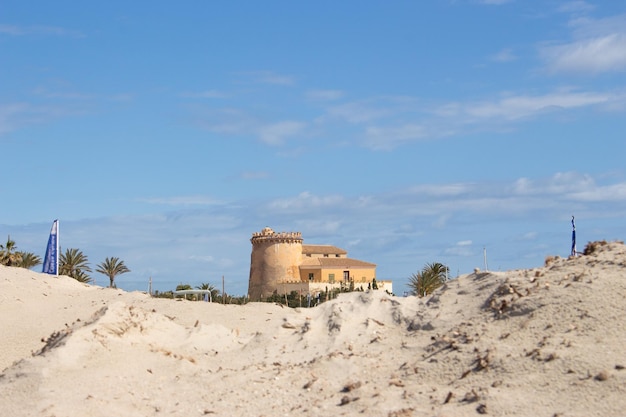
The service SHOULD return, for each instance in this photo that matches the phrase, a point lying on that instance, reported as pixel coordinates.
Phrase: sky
(466, 132)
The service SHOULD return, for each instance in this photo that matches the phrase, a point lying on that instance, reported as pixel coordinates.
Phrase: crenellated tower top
(267, 235)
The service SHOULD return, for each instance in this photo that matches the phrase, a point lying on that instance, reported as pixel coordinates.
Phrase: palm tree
(29, 260)
(431, 277)
(183, 287)
(206, 286)
(75, 264)
(81, 276)
(9, 255)
(112, 267)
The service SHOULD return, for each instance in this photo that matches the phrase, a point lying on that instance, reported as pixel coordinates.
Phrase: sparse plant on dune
(594, 246)
(550, 260)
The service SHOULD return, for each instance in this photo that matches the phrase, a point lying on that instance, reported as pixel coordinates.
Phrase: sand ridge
(547, 341)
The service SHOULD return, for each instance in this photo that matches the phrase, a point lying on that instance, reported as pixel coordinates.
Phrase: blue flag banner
(573, 237)
(51, 260)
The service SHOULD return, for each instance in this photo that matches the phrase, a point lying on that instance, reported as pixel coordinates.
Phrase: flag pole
(51, 259)
(573, 237)
(56, 273)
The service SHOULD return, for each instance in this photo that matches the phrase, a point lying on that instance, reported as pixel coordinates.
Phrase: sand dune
(550, 341)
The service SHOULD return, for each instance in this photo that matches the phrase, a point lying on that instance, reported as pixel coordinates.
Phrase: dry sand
(543, 342)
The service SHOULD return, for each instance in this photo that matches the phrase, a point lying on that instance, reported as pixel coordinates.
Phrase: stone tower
(275, 259)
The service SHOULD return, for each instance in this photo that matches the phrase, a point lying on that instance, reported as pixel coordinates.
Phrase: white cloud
(593, 56)
(387, 122)
(324, 95)
(442, 190)
(530, 236)
(66, 95)
(609, 193)
(254, 175)
(17, 30)
(205, 94)
(597, 45)
(229, 121)
(13, 30)
(522, 106)
(390, 137)
(358, 112)
(270, 77)
(560, 183)
(192, 200)
(321, 227)
(460, 250)
(441, 221)
(10, 115)
(306, 200)
(277, 133)
(17, 115)
(495, 2)
(577, 6)
(505, 55)
(390, 123)
(206, 258)
(122, 97)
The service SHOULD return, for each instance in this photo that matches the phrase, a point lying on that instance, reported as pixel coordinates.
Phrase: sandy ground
(543, 342)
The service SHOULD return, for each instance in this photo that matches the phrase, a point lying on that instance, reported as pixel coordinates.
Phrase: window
(337, 255)
(325, 255)
(311, 275)
(346, 276)
(331, 278)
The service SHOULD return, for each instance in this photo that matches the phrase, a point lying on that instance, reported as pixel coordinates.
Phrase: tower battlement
(268, 235)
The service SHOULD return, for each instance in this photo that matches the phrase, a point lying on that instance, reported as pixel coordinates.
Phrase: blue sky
(166, 133)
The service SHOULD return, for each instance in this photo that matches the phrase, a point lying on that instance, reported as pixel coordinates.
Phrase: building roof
(335, 263)
(322, 250)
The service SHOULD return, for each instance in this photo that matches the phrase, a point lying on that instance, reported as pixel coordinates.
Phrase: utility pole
(485, 258)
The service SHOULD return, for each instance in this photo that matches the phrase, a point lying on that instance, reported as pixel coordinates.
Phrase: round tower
(275, 259)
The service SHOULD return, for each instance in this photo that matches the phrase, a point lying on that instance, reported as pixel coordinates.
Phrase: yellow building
(281, 263)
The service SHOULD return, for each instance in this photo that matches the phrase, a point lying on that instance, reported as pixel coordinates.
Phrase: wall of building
(358, 275)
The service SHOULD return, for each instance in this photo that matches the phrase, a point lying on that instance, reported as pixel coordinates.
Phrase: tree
(9, 255)
(29, 260)
(184, 287)
(431, 277)
(112, 267)
(206, 286)
(74, 263)
(81, 276)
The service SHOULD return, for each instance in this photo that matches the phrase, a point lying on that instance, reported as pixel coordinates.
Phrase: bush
(593, 247)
